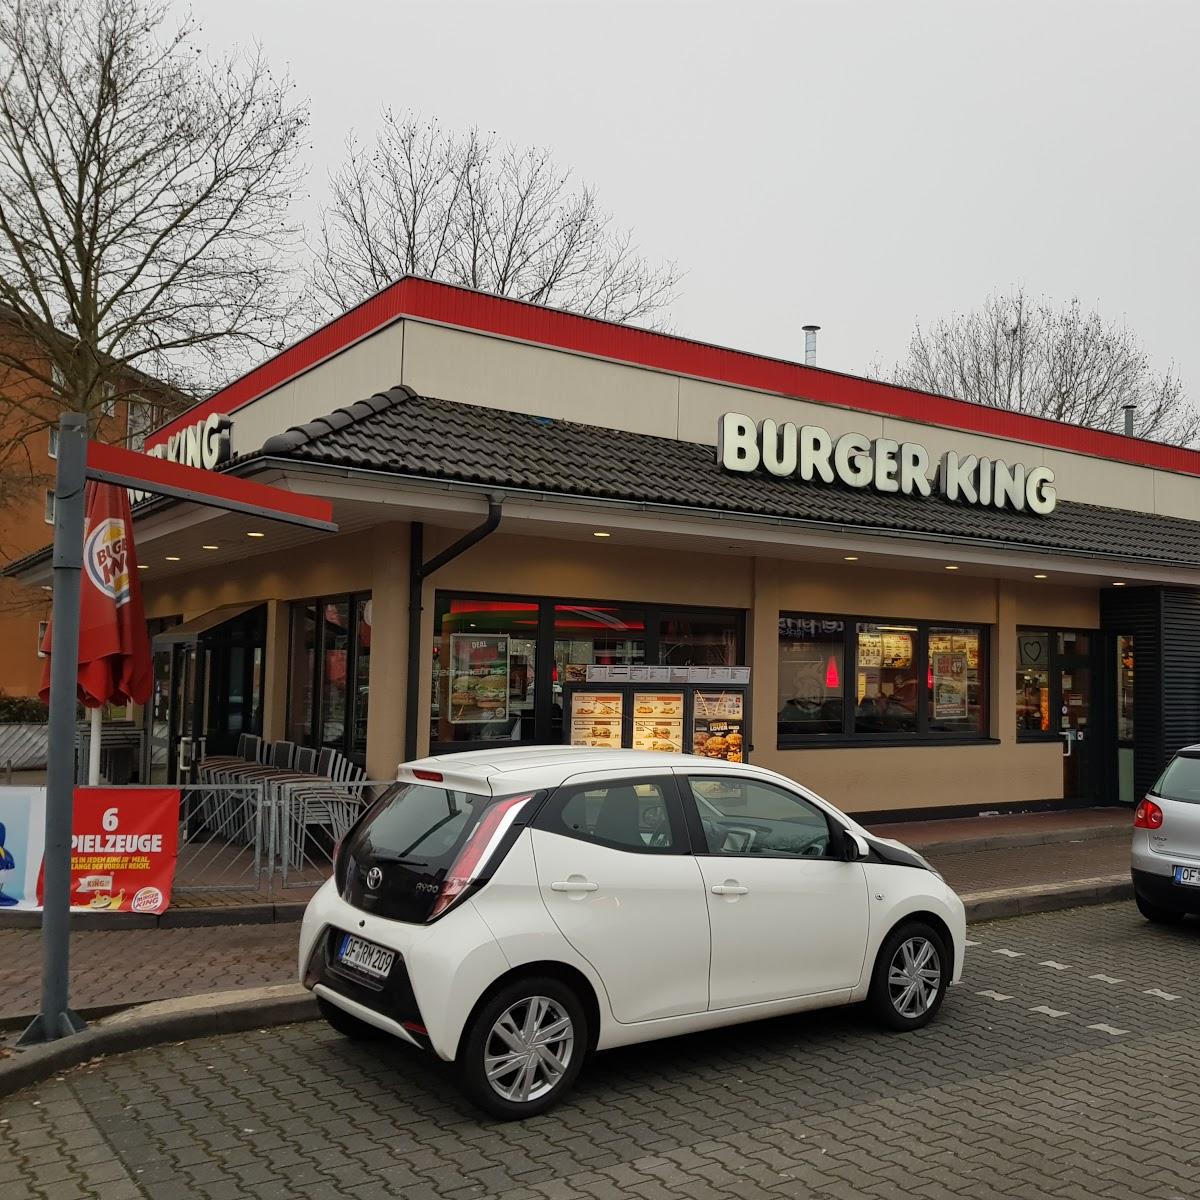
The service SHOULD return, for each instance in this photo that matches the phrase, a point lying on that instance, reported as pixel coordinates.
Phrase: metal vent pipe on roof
(1129, 410)
(810, 345)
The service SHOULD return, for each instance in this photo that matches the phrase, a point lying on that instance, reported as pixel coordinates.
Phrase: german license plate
(367, 957)
(1188, 875)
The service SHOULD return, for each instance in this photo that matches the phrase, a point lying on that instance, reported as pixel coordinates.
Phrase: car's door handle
(573, 885)
(729, 889)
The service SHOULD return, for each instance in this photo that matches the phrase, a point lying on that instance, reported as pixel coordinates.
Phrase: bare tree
(1061, 362)
(469, 210)
(144, 193)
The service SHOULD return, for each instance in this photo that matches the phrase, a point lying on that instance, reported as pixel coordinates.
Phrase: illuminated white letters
(886, 466)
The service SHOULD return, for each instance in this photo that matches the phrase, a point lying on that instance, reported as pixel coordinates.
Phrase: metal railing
(261, 835)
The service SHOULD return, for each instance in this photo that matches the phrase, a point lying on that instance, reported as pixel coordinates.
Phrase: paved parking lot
(1063, 1066)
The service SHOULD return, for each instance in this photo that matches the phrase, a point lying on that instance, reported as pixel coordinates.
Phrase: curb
(1018, 902)
(163, 1021)
(1014, 841)
(285, 912)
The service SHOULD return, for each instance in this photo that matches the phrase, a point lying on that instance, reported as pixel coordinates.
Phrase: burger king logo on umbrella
(106, 559)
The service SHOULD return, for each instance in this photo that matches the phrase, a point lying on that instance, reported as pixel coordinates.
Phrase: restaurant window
(500, 664)
(1033, 682)
(812, 666)
(886, 680)
(484, 659)
(329, 665)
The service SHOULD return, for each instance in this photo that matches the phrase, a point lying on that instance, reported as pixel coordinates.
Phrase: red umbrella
(114, 647)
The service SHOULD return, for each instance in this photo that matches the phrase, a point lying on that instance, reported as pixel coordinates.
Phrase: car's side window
(750, 817)
(628, 814)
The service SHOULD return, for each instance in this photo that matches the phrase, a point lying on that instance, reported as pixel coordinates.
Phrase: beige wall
(859, 779)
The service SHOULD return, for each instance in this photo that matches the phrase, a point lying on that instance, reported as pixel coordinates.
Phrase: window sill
(865, 742)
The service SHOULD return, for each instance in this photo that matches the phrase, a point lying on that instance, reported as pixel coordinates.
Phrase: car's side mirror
(854, 846)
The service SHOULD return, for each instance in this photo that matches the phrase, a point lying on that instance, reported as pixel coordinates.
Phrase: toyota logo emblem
(374, 878)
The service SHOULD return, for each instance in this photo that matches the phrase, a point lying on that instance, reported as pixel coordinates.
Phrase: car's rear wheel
(347, 1025)
(523, 1048)
(910, 978)
(1156, 912)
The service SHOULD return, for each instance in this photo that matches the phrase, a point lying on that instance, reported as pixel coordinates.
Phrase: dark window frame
(316, 716)
(922, 735)
(543, 696)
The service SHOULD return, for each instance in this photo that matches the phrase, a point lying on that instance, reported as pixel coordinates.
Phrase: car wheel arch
(571, 976)
(923, 915)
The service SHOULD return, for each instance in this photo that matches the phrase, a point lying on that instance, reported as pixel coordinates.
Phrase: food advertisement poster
(478, 678)
(596, 719)
(897, 650)
(717, 725)
(949, 684)
(658, 721)
(124, 843)
(22, 830)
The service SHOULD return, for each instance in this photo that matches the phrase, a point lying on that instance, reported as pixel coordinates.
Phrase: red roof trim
(422, 299)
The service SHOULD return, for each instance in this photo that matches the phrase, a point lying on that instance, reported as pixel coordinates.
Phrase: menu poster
(897, 650)
(575, 672)
(596, 719)
(478, 678)
(949, 685)
(870, 649)
(717, 723)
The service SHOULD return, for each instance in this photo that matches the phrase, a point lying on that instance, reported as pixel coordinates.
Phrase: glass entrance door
(1075, 681)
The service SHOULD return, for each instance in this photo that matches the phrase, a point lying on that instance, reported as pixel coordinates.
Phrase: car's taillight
(1147, 815)
(474, 857)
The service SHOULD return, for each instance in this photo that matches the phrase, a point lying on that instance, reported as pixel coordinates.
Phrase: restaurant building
(904, 601)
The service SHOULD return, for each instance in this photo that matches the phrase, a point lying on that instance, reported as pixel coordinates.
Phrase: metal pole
(56, 1020)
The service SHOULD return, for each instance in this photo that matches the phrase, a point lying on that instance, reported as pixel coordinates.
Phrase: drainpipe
(418, 572)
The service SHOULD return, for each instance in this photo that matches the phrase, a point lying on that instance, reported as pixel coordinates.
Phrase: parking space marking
(1160, 994)
(1050, 1012)
(1105, 978)
(968, 942)
(1109, 1029)
(1054, 966)
(1009, 953)
(993, 995)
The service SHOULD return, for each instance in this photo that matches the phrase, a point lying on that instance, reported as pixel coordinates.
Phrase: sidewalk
(985, 858)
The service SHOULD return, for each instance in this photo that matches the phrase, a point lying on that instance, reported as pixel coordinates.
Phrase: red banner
(124, 842)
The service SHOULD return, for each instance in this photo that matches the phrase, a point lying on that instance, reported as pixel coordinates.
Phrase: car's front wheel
(523, 1048)
(1156, 913)
(910, 978)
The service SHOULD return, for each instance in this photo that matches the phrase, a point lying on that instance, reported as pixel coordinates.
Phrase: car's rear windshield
(1181, 780)
(419, 823)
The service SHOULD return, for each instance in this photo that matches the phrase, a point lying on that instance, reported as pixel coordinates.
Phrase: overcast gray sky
(858, 163)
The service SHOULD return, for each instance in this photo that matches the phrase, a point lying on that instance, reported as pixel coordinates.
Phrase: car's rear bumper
(1163, 891)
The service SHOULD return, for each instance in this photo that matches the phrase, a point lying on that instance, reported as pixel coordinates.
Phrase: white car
(512, 910)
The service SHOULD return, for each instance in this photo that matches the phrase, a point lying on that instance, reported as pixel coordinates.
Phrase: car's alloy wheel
(912, 970)
(523, 1047)
(914, 977)
(528, 1050)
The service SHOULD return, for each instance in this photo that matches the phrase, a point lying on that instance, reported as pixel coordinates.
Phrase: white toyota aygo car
(514, 909)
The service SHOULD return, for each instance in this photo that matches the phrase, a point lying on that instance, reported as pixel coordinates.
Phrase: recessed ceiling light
(851, 558)
(255, 533)
(143, 567)
(951, 567)
(210, 547)
(1118, 583)
(172, 558)
(600, 533)
(1041, 577)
